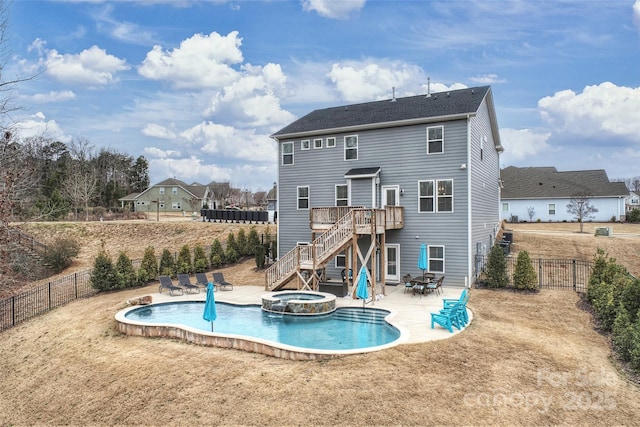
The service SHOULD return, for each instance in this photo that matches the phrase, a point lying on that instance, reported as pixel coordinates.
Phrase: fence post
(540, 273)
(13, 311)
(49, 287)
(75, 283)
(573, 263)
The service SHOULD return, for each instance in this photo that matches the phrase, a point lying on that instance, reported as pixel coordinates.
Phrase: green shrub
(217, 256)
(242, 244)
(634, 216)
(200, 262)
(524, 277)
(630, 299)
(497, 268)
(635, 347)
(167, 264)
(232, 244)
(103, 275)
(148, 267)
(253, 240)
(60, 252)
(623, 334)
(274, 249)
(184, 264)
(260, 256)
(231, 255)
(125, 273)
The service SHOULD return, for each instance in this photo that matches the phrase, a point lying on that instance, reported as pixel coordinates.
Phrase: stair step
(360, 315)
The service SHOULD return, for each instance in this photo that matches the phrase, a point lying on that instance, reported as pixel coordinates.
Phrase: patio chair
(408, 286)
(218, 279)
(202, 280)
(448, 318)
(185, 282)
(449, 303)
(435, 286)
(167, 283)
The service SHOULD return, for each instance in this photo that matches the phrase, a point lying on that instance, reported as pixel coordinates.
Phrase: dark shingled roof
(363, 171)
(450, 103)
(547, 182)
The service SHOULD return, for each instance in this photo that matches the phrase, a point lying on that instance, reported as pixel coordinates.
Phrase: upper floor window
(435, 195)
(317, 143)
(351, 147)
(435, 139)
(174, 190)
(505, 207)
(161, 190)
(287, 153)
(303, 197)
(436, 259)
(552, 208)
(342, 196)
(331, 142)
(305, 144)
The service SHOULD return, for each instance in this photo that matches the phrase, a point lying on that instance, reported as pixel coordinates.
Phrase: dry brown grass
(525, 360)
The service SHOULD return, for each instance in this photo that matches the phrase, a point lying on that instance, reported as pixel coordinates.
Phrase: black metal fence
(552, 273)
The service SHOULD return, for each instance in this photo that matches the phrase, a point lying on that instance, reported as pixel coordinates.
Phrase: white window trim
(436, 196)
(435, 152)
(289, 144)
(425, 197)
(335, 193)
(331, 139)
(505, 207)
(443, 258)
(306, 142)
(315, 143)
(161, 190)
(351, 148)
(174, 190)
(549, 208)
(298, 198)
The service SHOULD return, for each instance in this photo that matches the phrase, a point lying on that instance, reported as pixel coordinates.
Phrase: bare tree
(581, 209)
(532, 212)
(81, 183)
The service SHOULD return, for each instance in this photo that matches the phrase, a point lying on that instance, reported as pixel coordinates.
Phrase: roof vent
(448, 94)
(394, 94)
(428, 87)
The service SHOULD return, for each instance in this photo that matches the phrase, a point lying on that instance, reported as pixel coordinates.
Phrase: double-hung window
(287, 153)
(303, 197)
(342, 195)
(176, 205)
(435, 195)
(351, 147)
(174, 190)
(436, 259)
(161, 190)
(552, 208)
(435, 139)
(445, 195)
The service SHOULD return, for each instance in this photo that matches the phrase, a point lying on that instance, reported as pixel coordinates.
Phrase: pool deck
(409, 313)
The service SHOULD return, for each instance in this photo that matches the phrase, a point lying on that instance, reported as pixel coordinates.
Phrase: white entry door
(393, 262)
(390, 195)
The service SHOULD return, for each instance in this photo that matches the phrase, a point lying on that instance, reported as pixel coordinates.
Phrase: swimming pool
(346, 330)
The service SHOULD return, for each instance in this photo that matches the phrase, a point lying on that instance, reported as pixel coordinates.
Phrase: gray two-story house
(367, 184)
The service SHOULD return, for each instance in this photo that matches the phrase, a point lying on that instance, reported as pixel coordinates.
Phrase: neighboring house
(632, 202)
(272, 203)
(543, 193)
(423, 169)
(170, 195)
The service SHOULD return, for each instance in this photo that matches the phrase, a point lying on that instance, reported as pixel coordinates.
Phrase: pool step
(360, 315)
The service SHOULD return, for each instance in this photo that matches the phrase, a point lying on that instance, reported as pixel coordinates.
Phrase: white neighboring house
(632, 202)
(543, 193)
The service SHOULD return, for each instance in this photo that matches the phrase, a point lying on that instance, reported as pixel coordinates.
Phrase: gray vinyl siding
(401, 154)
(485, 191)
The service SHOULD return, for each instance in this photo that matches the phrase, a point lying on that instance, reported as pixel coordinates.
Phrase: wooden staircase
(302, 261)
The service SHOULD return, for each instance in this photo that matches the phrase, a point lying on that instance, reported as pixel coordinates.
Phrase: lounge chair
(202, 280)
(167, 283)
(218, 279)
(185, 282)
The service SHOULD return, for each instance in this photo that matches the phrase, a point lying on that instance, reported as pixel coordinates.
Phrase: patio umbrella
(361, 291)
(210, 306)
(423, 262)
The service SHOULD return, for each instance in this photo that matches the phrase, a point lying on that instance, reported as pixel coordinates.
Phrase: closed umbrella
(423, 262)
(210, 306)
(361, 291)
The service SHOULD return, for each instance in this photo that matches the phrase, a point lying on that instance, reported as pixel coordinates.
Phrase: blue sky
(197, 87)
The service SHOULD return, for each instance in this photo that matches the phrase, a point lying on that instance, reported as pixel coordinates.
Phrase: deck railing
(324, 217)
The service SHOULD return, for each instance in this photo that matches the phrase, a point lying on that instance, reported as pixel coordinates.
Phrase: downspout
(467, 279)
(277, 206)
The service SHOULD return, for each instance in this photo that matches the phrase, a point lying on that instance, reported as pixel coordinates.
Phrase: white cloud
(332, 8)
(231, 142)
(51, 96)
(158, 131)
(38, 125)
(160, 153)
(367, 82)
(92, 66)
(189, 169)
(487, 79)
(201, 61)
(522, 144)
(636, 14)
(604, 110)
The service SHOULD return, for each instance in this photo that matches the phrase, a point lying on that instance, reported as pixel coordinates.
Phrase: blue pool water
(344, 329)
